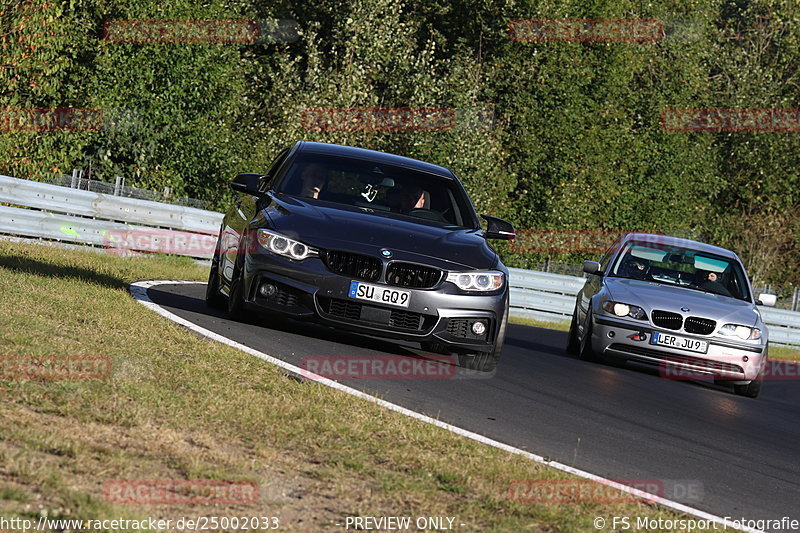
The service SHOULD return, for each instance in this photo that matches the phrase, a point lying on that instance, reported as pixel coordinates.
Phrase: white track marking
(139, 292)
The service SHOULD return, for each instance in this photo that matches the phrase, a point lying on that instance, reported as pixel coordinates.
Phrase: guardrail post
(74, 182)
(796, 298)
(119, 183)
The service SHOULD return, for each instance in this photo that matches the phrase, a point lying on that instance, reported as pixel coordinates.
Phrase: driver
(313, 179)
(638, 268)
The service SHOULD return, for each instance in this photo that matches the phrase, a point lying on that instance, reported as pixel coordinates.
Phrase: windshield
(379, 188)
(673, 265)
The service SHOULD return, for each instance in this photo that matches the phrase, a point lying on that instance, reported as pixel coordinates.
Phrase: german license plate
(680, 343)
(376, 293)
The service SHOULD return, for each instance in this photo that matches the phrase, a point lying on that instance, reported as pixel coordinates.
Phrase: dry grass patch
(180, 407)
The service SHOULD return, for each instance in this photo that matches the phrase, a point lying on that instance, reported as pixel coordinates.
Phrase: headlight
(745, 333)
(282, 245)
(621, 309)
(477, 281)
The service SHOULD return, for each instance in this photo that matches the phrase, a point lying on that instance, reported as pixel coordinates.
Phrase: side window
(273, 169)
(605, 261)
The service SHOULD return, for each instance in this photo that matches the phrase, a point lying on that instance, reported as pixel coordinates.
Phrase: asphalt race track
(714, 451)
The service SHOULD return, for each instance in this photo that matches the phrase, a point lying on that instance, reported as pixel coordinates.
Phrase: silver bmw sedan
(682, 305)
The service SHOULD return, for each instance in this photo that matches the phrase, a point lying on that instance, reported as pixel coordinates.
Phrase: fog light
(745, 358)
(267, 290)
(610, 334)
(478, 328)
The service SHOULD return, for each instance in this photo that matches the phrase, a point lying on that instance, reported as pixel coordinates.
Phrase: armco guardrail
(74, 215)
(551, 298)
(86, 217)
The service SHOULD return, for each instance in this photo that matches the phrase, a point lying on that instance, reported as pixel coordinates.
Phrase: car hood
(651, 295)
(339, 227)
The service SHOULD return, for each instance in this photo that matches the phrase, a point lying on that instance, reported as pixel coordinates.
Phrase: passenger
(411, 196)
(713, 283)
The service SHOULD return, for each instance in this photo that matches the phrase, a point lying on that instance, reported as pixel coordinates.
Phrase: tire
(752, 389)
(585, 352)
(480, 361)
(573, 346)
(236, 299)
(486, 361)
(214, 299)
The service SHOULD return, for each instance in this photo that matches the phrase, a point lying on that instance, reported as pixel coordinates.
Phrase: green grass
(784, 353)
(560, 326)
(180, 407)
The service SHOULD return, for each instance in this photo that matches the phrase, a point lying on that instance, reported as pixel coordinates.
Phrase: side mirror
(592, 267)
(247, 183)
(767, 300)
(497, 228)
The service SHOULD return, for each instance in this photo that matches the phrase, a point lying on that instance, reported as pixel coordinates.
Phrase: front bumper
(724, 360)
(308, 290)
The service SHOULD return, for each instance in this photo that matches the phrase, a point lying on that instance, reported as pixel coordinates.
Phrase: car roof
(685, 243)
(372, 155)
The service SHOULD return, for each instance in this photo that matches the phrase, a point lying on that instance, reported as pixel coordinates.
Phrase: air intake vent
(372, 315)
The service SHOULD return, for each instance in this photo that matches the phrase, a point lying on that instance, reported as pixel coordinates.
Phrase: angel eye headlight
(279, 244)
(745, 333)
(284, 246)
(491, 280)
(623, 309)
(299, 250)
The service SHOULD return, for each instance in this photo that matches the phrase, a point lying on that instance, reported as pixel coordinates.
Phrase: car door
(236, 220)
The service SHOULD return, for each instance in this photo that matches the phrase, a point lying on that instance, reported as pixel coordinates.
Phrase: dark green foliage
(576, 141)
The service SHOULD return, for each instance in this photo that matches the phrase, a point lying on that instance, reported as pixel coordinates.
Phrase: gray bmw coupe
(685, 306)
(365, 241)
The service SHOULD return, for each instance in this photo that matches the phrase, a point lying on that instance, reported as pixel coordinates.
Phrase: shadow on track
(261, 322)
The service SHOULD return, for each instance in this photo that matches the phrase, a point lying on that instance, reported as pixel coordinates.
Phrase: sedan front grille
(700, 326)
(667, 320)
(354, 265)
(371, 314)
(413, 276)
